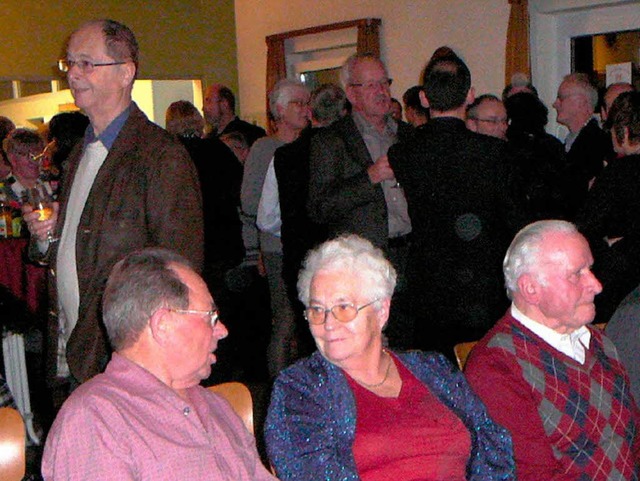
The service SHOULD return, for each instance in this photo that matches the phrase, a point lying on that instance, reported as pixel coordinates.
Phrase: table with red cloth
(25, 286)
(24, 280)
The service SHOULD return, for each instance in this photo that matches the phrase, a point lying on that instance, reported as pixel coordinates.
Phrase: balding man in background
(612, 93)
(220, 113)
(488, 116)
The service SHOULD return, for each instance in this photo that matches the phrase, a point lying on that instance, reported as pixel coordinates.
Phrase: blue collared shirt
(108, 135)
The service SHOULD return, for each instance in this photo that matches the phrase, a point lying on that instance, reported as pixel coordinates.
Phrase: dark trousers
(400, 329)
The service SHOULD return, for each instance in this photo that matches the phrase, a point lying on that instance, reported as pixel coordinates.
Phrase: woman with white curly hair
(355, 410)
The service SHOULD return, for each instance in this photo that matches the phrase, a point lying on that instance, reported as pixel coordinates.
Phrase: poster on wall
(619, 72)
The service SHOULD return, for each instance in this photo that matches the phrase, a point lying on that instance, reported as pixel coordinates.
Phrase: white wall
(152, 96)
(40, 107)
(411, 30)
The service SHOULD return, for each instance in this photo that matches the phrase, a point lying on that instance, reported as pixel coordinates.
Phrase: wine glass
(42, 203)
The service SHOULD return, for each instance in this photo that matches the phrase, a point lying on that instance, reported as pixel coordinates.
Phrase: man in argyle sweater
(554, 382)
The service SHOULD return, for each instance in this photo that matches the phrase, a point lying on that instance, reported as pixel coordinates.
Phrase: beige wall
(178, 38)
(411, 31)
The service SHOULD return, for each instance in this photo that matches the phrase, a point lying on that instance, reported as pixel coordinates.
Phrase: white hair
(523, 253)
(346, 72)
(354, 254)
(582, 81)
(281, 95)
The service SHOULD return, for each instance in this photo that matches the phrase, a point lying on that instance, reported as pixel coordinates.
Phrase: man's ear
(529, 288)
(161, 325)
(423, 99)
(227, 107)
(128, 73)
(280, 111)
(349, 91)
(471, 96)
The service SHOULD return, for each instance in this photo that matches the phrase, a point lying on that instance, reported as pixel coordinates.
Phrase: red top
(411, 437)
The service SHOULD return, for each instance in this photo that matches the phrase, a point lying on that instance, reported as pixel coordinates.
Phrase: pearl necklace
(386, 375)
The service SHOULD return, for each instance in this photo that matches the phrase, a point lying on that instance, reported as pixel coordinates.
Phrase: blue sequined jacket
(311, 423)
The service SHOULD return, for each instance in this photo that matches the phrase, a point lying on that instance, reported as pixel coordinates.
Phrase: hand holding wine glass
(380, 170)
(40, 213)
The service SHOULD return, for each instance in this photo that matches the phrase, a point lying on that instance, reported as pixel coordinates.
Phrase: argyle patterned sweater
(568, 421)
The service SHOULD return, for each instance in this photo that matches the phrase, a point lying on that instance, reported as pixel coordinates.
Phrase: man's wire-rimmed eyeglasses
(214, 314)
(372, 85)
(85, 66)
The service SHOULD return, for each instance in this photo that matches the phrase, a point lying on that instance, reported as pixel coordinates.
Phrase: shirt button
(186, 411)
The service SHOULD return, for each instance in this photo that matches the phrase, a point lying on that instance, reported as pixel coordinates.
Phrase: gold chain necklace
(386, 375)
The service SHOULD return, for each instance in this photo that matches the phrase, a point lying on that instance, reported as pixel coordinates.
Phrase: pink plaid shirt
(125, 424)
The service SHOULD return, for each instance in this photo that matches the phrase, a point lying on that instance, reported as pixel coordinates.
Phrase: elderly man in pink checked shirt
(146, 417)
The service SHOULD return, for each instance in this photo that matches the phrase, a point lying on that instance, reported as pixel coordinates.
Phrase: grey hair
(139, 285)
(282, 93)
(354, 254)
(583, 82)
(346, 72)
(524, 250)
(328, 103)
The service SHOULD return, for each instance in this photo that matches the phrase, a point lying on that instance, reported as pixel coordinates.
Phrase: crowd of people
(315, 254)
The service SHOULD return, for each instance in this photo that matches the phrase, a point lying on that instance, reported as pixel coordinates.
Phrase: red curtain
(368, 42)
(276, 66)
(369, 37)
(517, 48)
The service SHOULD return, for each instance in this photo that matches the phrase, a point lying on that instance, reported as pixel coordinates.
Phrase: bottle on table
(6, 216)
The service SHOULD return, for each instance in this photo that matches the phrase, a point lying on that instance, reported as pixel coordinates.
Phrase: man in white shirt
(555, 383)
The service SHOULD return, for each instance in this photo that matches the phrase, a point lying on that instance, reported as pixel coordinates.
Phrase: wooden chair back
(12, 445)
(462, 351)
(239, 396)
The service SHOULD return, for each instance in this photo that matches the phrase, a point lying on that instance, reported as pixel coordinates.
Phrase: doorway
(554, 23)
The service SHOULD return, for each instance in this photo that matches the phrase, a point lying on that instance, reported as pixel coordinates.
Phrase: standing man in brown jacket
(129, 185)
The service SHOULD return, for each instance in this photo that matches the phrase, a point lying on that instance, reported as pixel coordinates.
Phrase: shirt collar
(140, 381)
(573, 345)
(391, 126)
(108, 135)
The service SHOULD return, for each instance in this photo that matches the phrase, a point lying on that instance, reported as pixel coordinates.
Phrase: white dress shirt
(574, 345)
(268, 219)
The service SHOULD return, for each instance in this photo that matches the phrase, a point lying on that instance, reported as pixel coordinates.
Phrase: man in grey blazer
(352, 188)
